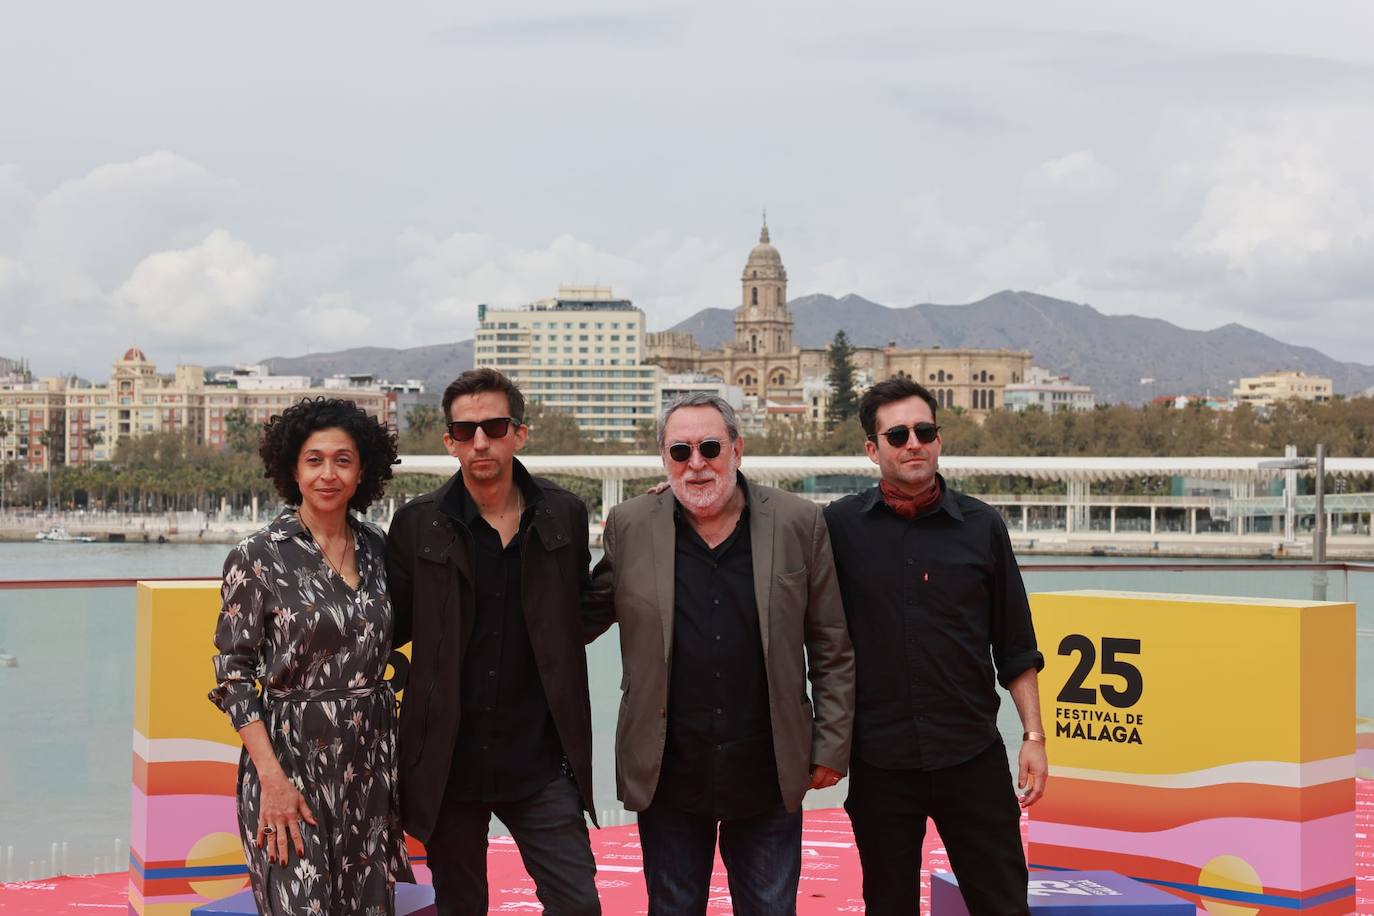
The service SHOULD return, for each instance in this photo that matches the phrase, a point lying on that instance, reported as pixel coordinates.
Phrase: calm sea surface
(66, 710)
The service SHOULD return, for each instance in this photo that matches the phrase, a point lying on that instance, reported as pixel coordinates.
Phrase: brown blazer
(801, 621)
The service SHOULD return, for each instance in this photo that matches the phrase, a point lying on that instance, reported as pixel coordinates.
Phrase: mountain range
(436, 364)
(1112, 353)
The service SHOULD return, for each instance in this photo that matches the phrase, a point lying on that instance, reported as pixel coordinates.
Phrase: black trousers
(549, 830)
(975, 810)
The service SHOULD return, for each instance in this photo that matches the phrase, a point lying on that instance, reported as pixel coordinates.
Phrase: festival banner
(184, 847)
(1202, 744)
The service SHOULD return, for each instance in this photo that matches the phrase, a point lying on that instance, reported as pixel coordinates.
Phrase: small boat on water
(59, 534)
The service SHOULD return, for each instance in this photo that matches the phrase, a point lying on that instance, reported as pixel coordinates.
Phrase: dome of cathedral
(764, 261)
(764, 252)
(134, 355)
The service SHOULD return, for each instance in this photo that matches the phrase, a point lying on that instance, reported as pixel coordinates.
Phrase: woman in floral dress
(306, 615)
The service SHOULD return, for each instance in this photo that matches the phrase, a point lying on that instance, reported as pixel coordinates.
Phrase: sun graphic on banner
(217, 849)
(1230, 873)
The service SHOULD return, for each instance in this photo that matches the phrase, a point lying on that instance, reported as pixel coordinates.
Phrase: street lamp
(1316, 464)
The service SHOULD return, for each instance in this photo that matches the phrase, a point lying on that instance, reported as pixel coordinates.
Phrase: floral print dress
(319, 649)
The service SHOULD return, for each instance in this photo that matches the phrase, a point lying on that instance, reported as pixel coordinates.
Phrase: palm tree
(49, 439)
(239, 430)
(6, 427)
(92, 437)
(422, 419)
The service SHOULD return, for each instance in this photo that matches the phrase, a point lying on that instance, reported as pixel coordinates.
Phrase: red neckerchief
(909, 506)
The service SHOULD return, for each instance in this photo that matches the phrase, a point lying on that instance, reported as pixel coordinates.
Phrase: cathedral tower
(763, 324)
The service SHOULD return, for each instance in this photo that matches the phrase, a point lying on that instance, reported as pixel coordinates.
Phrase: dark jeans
(551, 834)
(974, 808)
(762, 857)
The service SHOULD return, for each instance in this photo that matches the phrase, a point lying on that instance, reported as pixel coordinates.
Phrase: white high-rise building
(578, 353)
(1050, 393)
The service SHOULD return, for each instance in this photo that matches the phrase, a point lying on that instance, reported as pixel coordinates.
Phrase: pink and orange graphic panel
(1201, 744)
(184, 847)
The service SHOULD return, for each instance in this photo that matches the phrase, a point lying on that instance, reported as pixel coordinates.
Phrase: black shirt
(926, 599)
(718, 760)
(507, 747)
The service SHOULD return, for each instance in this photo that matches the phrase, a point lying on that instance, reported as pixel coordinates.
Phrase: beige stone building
(765, 361)
(1265, 390)
(90, 420)
(32, 429)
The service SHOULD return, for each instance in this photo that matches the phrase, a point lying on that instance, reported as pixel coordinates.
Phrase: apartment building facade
(61, 421)
(1048, 392)
(578, 353)
(1263, 391)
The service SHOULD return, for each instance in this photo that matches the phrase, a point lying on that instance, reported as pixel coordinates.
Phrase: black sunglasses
(681, 451)
(897, 435)
(495, 428)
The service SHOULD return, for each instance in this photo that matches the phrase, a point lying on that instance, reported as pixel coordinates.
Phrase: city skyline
(217, 189)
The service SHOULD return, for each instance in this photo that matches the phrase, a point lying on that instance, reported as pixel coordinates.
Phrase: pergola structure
(1239, 475)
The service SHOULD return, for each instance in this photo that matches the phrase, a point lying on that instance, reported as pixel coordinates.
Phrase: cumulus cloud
(1077, 172)
(947, 255)
(330, 321)
(180, 295)
(1274, 223)
(126, 250)
(16, 205)
(667, 276)
(1283, 203)
(85, 235)
(1022, 258)
(12, 274)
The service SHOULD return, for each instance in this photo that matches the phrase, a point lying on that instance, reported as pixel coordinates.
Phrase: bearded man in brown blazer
(727, 601)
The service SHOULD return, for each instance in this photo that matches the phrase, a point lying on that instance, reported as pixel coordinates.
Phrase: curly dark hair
(285, 434)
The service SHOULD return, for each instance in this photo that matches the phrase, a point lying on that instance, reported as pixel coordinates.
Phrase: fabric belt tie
(324, 696)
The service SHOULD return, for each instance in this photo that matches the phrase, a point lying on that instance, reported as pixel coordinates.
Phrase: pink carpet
(830, 881)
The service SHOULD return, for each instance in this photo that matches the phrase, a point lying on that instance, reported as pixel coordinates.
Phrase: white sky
(229, 182)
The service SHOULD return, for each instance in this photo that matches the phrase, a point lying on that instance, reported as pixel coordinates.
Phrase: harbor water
(66, 705)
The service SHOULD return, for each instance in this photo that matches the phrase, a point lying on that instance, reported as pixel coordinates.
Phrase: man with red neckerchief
(936, 611)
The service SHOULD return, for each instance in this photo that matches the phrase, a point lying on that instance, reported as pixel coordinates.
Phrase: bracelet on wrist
(1033, 736)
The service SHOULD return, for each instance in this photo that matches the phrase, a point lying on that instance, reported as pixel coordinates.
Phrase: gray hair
(698, 399)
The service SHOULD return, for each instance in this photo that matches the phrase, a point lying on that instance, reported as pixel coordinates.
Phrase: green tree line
(1346, 427)
(168, 472)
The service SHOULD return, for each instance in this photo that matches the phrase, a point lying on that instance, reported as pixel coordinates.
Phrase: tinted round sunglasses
(898, 435)
(493, 427)
(682, 451)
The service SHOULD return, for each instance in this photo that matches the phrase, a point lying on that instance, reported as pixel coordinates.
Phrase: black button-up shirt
(507, 746)
(718, 760)
(926, 599)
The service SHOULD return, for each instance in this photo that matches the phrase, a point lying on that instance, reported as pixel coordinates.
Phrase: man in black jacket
(936, 611)
(486, 574)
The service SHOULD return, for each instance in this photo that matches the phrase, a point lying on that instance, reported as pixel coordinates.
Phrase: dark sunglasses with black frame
(898, 435)
(682, 451)
(493, 427)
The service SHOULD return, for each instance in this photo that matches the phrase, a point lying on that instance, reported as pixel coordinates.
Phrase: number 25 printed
(1121, 697)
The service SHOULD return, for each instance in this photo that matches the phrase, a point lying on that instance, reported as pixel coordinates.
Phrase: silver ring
(268, 831)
